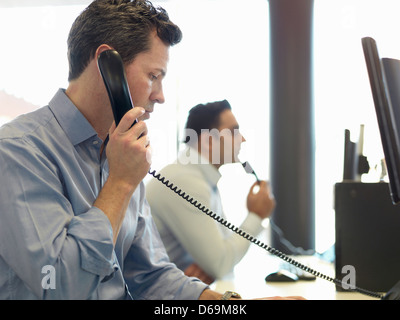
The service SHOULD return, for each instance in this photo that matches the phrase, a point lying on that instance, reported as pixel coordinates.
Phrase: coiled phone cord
(252, 239)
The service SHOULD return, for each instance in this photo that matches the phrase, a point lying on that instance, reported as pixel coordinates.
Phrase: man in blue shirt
(74, 220)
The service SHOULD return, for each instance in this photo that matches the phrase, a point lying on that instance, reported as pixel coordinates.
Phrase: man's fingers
(128, 119)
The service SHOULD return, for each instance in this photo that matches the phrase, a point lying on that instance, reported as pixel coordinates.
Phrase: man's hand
(128, 154)
(128, 149)
(209, 294)
(261, 201)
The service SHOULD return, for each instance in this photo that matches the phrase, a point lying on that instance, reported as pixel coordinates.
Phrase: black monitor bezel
(384, 112)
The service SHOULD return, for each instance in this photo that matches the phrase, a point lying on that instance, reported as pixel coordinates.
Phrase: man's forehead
(156, 58)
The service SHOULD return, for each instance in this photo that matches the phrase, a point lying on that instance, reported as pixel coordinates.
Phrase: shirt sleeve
(39, 228)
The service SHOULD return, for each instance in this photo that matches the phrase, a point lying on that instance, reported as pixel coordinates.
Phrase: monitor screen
(387, 107)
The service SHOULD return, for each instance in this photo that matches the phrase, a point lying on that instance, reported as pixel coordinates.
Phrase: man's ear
(205, 144)
(204, 140)
(101, 48)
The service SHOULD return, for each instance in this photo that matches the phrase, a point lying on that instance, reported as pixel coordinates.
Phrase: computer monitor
(387, 105)
(391, 71)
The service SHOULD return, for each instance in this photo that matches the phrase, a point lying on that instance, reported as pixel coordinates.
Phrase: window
(343, 98)
(33, 59)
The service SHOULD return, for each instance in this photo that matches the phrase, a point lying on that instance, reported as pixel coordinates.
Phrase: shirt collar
(71, 120)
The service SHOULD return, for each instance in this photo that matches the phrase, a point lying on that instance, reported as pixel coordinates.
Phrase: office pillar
(292, 126)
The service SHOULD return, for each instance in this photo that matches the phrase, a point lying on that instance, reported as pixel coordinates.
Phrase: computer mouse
(281, 276)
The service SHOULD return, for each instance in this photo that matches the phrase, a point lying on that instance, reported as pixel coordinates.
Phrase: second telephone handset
(113, 73)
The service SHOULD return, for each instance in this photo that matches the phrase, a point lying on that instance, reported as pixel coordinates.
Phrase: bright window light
(343, 98)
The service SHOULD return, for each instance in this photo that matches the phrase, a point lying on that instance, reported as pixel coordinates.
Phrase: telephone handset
(112, 70)
(113, 73)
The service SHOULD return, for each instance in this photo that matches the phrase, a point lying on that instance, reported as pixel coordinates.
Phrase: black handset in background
(247, 167)
(113, 73)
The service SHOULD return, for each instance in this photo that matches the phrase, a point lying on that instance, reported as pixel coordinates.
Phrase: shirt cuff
(252, 224)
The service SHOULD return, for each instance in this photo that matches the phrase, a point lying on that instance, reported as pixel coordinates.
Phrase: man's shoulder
(182, 174)
(26, 125)
(188, 178)
(179, 169)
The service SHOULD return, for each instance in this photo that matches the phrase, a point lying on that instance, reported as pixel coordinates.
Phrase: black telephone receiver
(112, 70)
(113, 73)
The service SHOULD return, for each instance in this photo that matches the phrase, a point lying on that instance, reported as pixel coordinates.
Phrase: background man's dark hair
(122, 24)
(204, 116)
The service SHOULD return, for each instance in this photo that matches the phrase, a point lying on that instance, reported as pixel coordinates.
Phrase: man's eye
(153, 77)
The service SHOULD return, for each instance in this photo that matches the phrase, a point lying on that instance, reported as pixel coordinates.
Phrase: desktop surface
(249, 275)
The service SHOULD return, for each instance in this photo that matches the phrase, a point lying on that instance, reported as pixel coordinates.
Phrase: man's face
(230, 138)
(145, 75)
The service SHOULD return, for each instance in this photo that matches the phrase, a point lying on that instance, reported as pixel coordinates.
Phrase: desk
(249, 275)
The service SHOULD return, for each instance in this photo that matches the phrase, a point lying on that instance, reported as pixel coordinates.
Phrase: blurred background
(224, 54)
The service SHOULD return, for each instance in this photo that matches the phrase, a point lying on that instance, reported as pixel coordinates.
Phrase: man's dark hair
(122, 24)
(204, 116)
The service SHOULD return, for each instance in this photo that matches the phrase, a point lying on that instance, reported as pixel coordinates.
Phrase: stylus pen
(247, 167)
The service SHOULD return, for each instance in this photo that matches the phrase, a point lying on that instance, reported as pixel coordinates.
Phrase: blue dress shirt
(53, 243)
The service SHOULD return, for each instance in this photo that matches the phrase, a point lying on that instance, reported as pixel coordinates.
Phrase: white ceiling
(37, 3)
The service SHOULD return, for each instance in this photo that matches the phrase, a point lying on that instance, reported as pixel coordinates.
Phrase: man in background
(197, 244)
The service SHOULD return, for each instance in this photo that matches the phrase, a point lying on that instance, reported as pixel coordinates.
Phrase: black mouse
(281, 276)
